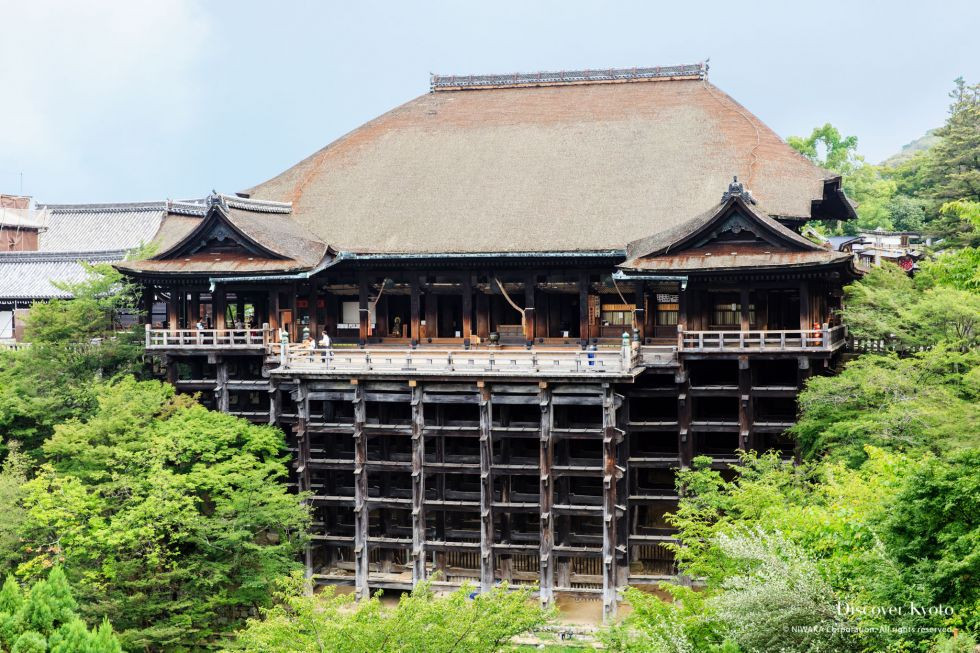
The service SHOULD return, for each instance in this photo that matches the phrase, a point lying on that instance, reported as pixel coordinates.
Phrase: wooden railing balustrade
(209, 338)
(460, 361)
(822, 339)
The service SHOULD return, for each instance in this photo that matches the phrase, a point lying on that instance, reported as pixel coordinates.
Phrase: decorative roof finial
(215, 199)
(737, 189)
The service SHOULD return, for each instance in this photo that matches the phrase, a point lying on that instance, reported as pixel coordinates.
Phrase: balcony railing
(208, 338)
(825, 339)
(504, 362)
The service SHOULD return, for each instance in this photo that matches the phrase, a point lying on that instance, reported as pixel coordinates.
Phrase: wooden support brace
(609, 511)
(360, 497)
(546, 494)
(418, 487)
(486, 493)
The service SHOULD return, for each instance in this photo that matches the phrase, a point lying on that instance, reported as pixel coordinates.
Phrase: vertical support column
(173, 310)
(583, 307)
(360, 495)
(219, 306)
(467, 288)
(546, 497)
(416, 302)
(639, 298)
(146, 303)
(529, 317)
(610, 439)
(486, 492)
(746, 438)
(171, 364)
(743, 303)
(431, 315)
(224, 400)
(418, 485)
(314, 300)
(685, 439)
(483, 315)
(365, 314)
(804, 306)
(302, 434)
(273, 312)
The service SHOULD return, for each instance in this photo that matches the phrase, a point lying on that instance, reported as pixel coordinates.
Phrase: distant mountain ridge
(909, 150)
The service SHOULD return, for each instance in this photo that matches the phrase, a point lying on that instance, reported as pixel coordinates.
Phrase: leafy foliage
(45, 619)
(303, 621)
(74, 344)
(926, 402)
(170, 519)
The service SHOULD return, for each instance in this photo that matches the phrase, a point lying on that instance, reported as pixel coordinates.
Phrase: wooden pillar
(273, 311)
(685, 439)
(221, 389)
(381, 319)
(639, 298)
(546, 497)
(467, 288)
(330, 309)
(583, 307)
(418, 486)
(804, 306)
(364, 312)
(431, 315)
(486, 493)
(743, 303)
(146, 303)
(746, 440)
(360, 496)
(171, 364)
(219, 307)
(301, 433)
(416, 309)
(483, 316)
(610, 439)
(173, 310)
(529, 316)
(314, 298)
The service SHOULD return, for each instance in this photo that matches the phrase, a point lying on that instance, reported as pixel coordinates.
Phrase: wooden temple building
(541, 295)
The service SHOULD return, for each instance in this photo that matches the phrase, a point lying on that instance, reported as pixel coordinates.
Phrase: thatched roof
(556, 167)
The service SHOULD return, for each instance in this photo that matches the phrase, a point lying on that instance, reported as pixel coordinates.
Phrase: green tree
(926, 402)
(933, 528)
(828, 148)
(306, 622)
(75, 343)
(45, 619)
(958, 269)
(170, 519)
(13, 476)
(955, 165)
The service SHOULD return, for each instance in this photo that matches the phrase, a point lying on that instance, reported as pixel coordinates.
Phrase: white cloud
(75, 73)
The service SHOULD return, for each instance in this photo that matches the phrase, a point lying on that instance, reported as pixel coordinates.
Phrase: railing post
(700, 340)
(147, 335)
(680, 337)
(283, 347)
(626, 350)
(825, 336)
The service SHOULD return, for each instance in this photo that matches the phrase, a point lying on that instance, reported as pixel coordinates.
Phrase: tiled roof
(92, 228)
(32, 275)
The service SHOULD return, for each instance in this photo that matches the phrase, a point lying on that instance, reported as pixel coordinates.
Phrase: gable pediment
(217, 234)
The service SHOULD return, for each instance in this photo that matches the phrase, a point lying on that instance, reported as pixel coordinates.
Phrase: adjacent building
(495, 320)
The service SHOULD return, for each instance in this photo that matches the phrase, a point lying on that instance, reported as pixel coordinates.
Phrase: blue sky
(138, 100)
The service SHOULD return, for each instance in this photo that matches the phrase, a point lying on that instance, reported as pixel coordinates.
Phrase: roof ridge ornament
(737, 189)
(215, 199)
